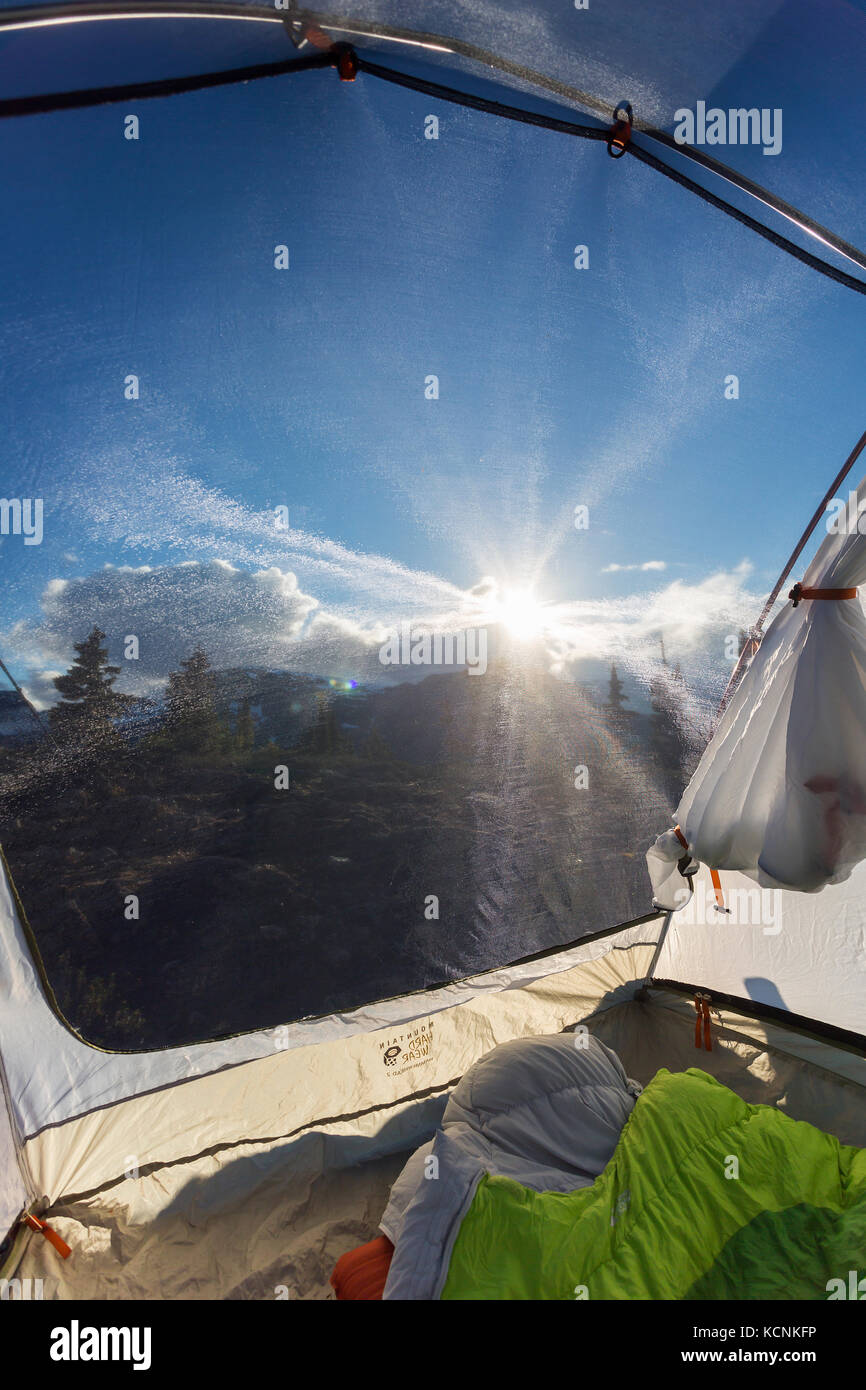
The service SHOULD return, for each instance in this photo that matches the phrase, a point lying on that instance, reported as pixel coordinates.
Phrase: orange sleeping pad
(360, 1274)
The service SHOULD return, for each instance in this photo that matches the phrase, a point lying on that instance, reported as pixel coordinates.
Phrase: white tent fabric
(780, 792)
(83, 1117)
(671, 868)
(267, 1220)
(13, 1191)
(209, 1170)
(157, 1166)
(74, 1078)
(801, 952)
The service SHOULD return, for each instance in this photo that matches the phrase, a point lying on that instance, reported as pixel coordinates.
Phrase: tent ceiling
(407, 254)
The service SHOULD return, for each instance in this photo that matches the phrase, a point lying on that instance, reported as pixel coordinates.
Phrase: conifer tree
(324, 735)
(88, 701)
(616, 699)
(191, 706)
(668, 745)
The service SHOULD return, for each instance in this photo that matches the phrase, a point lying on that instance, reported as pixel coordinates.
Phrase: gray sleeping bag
(546, 1112)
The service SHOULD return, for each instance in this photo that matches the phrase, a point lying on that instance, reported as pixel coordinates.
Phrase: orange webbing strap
(681, 837)
(799, 592)
(49, 1233)
(702, 1021)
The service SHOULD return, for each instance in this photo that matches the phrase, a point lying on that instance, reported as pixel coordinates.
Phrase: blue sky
(305, 387)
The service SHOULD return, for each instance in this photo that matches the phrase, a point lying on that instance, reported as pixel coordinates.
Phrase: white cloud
(693, 621)
(265, 618)
(647, 565)
(238, 617)
(169, 510)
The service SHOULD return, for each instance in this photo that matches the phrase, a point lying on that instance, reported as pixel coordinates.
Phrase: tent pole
(798, 549)
(641, 993)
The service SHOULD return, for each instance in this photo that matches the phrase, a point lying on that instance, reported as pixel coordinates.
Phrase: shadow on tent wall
(764, 991)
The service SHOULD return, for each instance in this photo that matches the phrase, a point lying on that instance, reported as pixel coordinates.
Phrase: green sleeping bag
(705, 1197)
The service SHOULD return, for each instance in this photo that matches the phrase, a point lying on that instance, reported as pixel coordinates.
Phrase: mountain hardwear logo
(76, 1343)
(410, 1048)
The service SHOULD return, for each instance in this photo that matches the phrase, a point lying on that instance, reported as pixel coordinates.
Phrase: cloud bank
(266, 618)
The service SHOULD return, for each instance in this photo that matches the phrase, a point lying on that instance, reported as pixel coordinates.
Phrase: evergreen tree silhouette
(616, 699)
(323, 736)
(668, 746)
(191, 706)
(88, 703)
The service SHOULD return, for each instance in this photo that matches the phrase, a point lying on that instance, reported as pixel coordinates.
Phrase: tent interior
(393, 484)
(249, 1178)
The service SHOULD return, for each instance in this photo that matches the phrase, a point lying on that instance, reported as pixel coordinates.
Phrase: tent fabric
(778, 798)
(588, 61)
(164, 520)
(14, 1196)
(83, 1117)
(291, 1091)
(801, 952)
(258, 1222)
(780, 791)
(242, 1177)
(765, 1062)
(661, 58)
(75, 1078)
(230, 1167)
(269, 1220)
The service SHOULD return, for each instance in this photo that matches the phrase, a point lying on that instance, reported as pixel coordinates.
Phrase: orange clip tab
(717, 889)
(50, 1235)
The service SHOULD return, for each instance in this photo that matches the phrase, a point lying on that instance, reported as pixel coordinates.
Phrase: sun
(520, 613)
